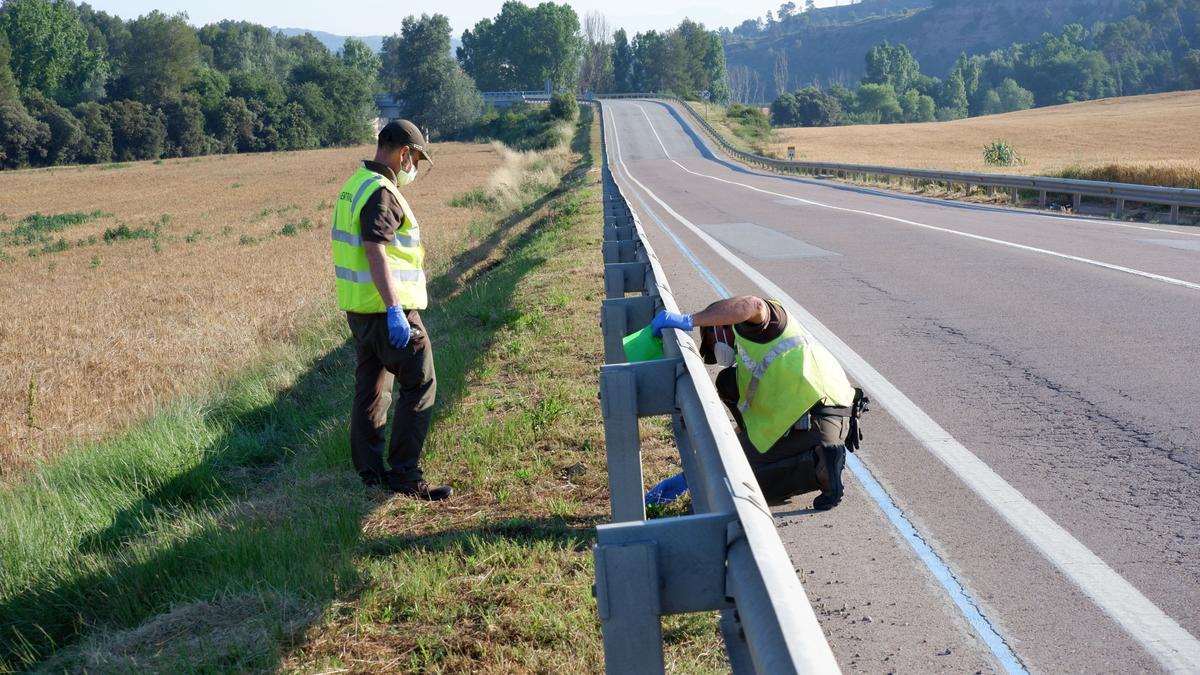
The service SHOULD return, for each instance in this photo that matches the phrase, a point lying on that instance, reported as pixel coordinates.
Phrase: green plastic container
(643, 346)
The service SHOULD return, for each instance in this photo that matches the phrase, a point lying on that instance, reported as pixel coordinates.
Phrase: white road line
(1066, 256)
(1161, 636)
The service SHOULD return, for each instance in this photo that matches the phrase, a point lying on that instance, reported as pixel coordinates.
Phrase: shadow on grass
(272, 507)
(576, 534)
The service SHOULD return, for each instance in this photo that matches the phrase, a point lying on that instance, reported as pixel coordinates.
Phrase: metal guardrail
(1120, 193)
(514, 96)
(727, 555)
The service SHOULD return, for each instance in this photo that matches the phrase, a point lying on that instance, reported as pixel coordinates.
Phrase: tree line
(1151, 51)
(78, 85)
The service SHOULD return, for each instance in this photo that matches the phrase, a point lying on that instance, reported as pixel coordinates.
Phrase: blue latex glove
(667, 491)
(398, 328)
(665, 319)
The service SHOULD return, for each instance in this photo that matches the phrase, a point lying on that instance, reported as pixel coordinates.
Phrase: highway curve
(1038, 428)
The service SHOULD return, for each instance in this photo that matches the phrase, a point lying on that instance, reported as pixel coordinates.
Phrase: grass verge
(228, 532)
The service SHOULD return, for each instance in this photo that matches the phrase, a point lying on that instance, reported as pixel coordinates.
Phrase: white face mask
(406, 177)
(724, 354)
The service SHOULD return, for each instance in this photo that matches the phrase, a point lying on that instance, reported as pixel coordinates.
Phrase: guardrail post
(622, 278)
(627, 601)
(1174, 214)
(629, 391)
(1016, 196)
(621, 251)
(620, 317)
(1076, 202)
(650, 569)
(1041, 199)
(1120, 208)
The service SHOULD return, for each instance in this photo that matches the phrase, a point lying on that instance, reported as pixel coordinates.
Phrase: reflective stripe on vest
(400, 240)
(780, 381)
(358, 277)
(356, 291)
(758, 370)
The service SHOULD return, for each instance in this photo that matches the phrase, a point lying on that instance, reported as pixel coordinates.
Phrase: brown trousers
(797, 462)
(380, 366)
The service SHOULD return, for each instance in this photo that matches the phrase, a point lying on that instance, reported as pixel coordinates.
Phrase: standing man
(378, 262)
(790, 398)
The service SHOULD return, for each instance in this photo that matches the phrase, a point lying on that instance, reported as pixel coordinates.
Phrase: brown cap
(402, 132)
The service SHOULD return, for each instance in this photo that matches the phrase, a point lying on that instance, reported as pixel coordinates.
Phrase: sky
(372, 17)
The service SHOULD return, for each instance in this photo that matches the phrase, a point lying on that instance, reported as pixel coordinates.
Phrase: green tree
(877, 103)
(108, 35)
(163, 56)
(185, 128)
(8, 84)
(892, 65)
(807, 107)
(258, 85)
(916, 107)
(22, 138)
(234, 127)
(240, 45)
(139, 131)
(785, 111)
(210, 87)
(298, 49)
(651, 62)
(563, 106)
(953, 100)
(596, 67)
(523, 47)
(622, 61)
(1008, 97)
(359, 57)
(66, 133)
(1061, 69)
(296, 131)
(1191, 68)
(353, 106)
(437, 94)
(97, 143)
(50, 51)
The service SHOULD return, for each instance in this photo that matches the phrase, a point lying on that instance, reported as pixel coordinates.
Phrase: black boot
(831, 461)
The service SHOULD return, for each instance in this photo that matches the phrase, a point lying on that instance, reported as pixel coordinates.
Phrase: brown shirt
(762, 333)
(381, 215)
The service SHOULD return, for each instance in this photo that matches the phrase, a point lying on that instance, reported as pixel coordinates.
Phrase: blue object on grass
(667, 490)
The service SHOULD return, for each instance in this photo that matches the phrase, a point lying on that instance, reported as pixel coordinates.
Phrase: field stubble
(1155, 132)
(234, 259)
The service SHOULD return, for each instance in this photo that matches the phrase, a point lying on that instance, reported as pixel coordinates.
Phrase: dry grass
(1167, 176)
(1156, 131)
(98, 335)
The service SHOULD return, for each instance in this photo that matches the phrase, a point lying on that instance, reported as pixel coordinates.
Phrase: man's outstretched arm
(720, 313)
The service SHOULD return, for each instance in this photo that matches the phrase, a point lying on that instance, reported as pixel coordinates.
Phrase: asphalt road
(1060, 352)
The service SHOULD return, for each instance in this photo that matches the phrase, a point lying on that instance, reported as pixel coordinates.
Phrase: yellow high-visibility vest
(780, 381)
(356, 291)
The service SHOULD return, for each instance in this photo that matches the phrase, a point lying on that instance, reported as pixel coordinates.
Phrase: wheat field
(1158, 130)
(206, 263)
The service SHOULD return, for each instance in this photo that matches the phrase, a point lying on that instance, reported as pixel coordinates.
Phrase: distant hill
(831, 45)
(335, 42)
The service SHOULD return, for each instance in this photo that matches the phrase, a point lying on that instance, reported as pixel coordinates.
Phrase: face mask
(724, 354)
(406, 177)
